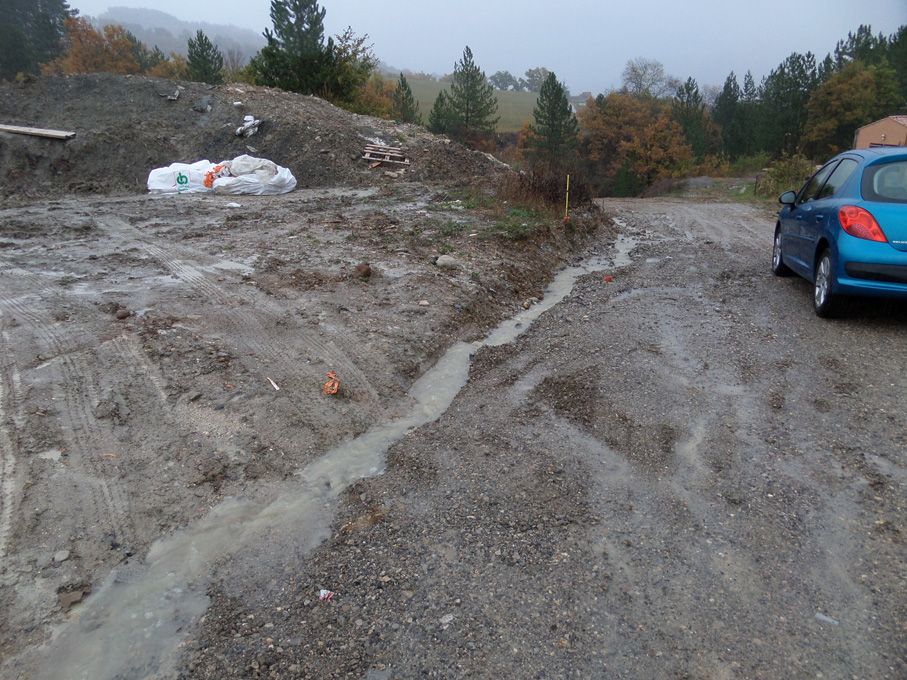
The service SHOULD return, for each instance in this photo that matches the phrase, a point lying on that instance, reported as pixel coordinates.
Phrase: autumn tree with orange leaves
(629, 142)
(109, 50)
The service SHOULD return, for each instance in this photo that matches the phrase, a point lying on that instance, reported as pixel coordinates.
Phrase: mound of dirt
(125, 126)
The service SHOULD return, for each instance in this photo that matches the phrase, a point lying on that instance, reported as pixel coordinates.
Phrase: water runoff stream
(134, 622)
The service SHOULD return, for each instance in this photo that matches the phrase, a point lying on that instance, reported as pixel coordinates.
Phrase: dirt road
(682, 473)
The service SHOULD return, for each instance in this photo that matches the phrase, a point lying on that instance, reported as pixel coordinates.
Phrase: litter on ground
(244, 175)
(332, 386)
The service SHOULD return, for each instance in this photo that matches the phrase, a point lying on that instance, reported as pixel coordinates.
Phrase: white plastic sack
(179, 178)
(255, 176)
(243, 175)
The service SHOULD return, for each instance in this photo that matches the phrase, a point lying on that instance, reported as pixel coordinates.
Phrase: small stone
(447, 619)
(61, 556)
(447, 262)
(424, 303)
(123, 314)
(67, 600)
(363, 270)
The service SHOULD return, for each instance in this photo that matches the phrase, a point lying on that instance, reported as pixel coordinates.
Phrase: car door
(801, 220)
(824, 205)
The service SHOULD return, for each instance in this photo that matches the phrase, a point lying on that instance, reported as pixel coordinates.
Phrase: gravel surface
(678, 471)
(682, 473)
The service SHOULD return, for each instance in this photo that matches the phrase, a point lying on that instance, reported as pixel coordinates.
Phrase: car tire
(778, 266)
(825, 302)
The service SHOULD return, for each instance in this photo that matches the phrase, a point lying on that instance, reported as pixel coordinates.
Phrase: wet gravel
(682, 473)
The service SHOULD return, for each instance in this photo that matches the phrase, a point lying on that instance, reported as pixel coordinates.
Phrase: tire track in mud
(10, 415)
(248, 329)
(90, 447)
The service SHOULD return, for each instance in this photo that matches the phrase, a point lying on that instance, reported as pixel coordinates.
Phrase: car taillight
(860, 223)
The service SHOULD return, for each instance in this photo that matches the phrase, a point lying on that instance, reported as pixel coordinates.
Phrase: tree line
(654, 126)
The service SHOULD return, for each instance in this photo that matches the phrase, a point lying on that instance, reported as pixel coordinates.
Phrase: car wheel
(778, 266)
(824, 301)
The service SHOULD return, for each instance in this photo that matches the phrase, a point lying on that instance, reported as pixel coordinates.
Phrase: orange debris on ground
(332, 386)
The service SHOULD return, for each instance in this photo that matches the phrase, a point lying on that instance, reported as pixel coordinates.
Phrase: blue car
(846, 229)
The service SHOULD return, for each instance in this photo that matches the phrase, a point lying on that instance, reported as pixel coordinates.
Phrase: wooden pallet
(377, 155)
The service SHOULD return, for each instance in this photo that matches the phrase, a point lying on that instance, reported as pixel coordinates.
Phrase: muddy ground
(161, 354)
(680, 474)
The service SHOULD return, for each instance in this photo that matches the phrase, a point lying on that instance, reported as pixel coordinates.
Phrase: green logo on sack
(182, 181)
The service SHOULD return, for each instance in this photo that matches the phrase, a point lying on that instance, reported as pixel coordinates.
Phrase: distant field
(514, 108)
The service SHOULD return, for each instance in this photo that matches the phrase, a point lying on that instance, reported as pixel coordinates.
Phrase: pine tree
(472, 99)
(726, 114)
(897, 57)
(32, 32)
(688, 109)
(554, 131)
(442, 119)
(784, 94)
(297, 57)
(406, 108)
(206, 63)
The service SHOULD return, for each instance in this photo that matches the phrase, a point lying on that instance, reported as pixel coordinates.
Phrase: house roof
(900, 120)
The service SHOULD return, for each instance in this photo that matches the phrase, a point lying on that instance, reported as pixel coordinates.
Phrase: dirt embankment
(125, 126)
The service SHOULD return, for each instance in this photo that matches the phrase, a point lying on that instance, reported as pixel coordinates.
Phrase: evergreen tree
(472, 99)
(554, 130)
(784, 94)
(297, 57)
(727, 114)
(206, 63)
(897, 58)
(442, 119)
(826, 69)
(861, 46)
(406, 108)
(32, 32)
(688, 109)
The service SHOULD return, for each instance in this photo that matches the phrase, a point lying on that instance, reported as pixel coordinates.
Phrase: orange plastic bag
(332, 386)
(214, 173)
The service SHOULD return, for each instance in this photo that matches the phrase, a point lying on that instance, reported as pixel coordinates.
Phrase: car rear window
(886, 183)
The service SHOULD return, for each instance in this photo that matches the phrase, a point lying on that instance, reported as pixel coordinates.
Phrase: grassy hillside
(514, 108)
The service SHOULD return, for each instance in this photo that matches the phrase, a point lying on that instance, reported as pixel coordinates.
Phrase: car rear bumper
(885, 273)
(869, 268)
(863, 278)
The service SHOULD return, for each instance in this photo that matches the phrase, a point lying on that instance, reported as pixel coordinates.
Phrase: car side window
(837, 179)
(811, 190)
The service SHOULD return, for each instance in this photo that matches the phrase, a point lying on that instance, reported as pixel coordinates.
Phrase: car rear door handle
(820, 218)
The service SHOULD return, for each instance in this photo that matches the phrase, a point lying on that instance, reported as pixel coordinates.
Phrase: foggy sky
(586, 42)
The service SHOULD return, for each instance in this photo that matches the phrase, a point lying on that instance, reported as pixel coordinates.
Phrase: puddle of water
(132, 625)
(557, 290)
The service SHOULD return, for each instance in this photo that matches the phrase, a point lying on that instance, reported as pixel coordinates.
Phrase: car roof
(881, 152)
(876, 154)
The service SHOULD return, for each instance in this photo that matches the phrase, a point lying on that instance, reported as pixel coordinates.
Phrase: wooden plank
(385, 156)
(37, 132)
(384, 160)
(385, 149)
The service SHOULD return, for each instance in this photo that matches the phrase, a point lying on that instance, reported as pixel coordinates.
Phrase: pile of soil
(125, 126)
